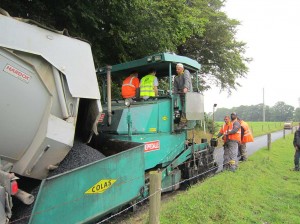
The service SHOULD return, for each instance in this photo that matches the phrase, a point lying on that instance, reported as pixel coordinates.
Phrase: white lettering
(152, 146)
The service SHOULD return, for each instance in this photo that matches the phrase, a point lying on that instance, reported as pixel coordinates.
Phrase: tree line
(279, 112)
(123, 30)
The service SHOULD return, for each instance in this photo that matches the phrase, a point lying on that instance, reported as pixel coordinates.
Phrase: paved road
(259, 142)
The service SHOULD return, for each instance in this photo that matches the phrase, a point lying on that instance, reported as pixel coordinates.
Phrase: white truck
(48, 95)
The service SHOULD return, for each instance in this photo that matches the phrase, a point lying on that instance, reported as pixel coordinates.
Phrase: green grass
(262, 190)
(259, 128)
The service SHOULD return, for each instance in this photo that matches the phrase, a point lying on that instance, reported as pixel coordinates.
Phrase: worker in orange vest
(231, 132)
(130, 86)
(246, 136)
(296, 143)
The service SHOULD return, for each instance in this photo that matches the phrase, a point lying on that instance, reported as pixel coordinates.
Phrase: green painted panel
(170, 145)
(165, 117)
(152, 116)
(159, 147)
(170, 182)
(72, 197)
(144, 119)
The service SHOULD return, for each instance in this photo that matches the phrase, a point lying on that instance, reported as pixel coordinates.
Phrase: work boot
(243, 159)
(232, 169)
(225, 167)
(296, 168)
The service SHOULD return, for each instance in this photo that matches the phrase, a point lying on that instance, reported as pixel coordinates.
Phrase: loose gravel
(80, 154)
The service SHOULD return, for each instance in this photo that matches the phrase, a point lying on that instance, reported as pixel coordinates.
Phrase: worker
(130, 86)
(296, 143)
(231, 132)
(246, 136)
(148, 85)
(183, 81)
(182, 85)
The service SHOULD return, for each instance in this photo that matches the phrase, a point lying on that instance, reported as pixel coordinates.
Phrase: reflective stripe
(248, 137)
(129, 87)
(130, 83)
(225, 129)
(231, 162)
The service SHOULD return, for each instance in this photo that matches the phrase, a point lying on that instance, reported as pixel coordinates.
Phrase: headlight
(127, 102)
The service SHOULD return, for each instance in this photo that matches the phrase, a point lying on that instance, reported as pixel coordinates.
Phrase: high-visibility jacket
(246, 135)
(226, 128)
(129, 87)
(147, 85)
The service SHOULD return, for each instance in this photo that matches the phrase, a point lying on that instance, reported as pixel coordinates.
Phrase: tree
(297, 115)
(220, 54)
(282, 112)
(122, 30)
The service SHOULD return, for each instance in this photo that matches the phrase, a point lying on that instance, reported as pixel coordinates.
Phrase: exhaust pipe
(24, 197)
(109, 94)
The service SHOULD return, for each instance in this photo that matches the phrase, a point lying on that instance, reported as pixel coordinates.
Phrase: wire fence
(158, 191)
(209, 170)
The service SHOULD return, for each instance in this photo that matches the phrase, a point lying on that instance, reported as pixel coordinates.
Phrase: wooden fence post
(269, 141)
(283, 133)
(155, 196)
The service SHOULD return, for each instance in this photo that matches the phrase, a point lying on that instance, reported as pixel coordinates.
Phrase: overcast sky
(271, 29)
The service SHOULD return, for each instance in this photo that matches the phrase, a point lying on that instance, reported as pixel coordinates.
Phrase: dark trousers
(296, 158)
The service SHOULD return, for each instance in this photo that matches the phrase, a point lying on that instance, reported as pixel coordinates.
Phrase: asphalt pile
(80, 154)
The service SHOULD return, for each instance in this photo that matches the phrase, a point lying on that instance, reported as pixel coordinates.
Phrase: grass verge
(259, 128)
(263, 190)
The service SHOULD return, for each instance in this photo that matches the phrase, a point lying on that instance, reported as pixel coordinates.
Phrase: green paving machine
(155, 122)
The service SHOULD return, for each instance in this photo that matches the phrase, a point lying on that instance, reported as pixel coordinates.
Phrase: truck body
(45, 77)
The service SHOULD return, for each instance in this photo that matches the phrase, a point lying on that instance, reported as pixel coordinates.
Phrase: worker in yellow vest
(148, 85)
